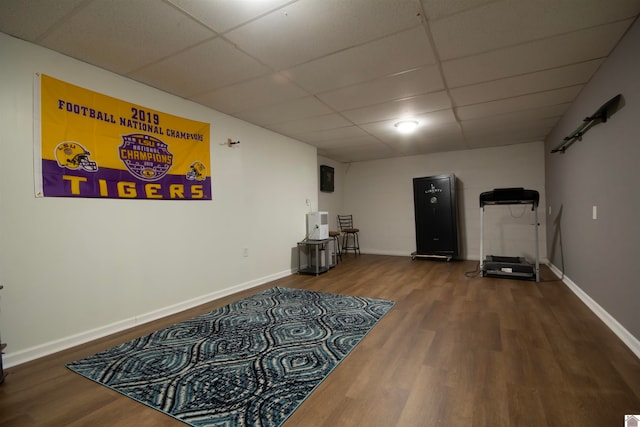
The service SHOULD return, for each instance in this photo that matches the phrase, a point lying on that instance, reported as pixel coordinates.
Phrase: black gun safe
(436, 216)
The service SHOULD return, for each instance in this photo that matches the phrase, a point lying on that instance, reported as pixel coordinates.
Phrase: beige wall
(332, 202)
(74, 269)
(603, 169)
(380, 195)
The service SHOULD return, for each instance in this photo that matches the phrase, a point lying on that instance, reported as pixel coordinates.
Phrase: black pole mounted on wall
(600, 116)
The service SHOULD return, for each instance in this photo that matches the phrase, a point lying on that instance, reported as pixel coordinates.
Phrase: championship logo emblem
(197, 171)
(71, 155)
(145, 156)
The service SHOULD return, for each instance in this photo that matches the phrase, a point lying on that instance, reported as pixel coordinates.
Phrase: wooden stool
(345, 222)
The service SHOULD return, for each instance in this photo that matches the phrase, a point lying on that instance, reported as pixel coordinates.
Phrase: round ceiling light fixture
(406, 126)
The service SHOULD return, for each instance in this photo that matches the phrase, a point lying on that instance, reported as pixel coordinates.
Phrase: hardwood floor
(454, 350)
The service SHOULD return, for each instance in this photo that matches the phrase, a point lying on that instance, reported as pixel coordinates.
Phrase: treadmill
(505, 266)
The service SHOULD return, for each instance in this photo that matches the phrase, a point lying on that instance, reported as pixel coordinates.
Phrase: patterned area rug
(250, 363)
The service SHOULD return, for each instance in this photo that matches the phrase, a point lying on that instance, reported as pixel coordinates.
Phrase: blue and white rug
(250, 363)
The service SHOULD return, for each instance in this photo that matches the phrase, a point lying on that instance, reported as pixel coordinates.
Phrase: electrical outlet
(308, 201)
(245, 252)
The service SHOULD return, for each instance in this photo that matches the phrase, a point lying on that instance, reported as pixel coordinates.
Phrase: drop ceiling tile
(337, 134)
(444, 131)
(365, 62)
(507, 131)
(271, 89)
(524, 84)
(454, 142)
(479, 135)
(358, 154)
(517, 118)
(205, 72)
(518, 103)
(535, 56)
(428, 123)
(223, 15)
(101, 34)
(503, 139)
(403, 85)
(325, 153)
(328, 121)
(427, 140)
(29, 19)
(370, 58)
(501, 130)
(308, 29)
(450, 132)
(287, 111)
(437, 9)
(506, 23)
(366, 140)
(403, 108)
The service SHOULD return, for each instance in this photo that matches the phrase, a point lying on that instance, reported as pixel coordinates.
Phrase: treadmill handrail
(510, 196)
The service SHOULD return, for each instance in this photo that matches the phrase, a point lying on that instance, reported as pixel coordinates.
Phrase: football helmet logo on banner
(74, 156)
(198, 171)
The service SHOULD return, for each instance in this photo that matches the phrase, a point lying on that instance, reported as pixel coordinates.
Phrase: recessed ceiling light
(406, 126)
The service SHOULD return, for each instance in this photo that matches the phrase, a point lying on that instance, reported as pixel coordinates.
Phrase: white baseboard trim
(382, 252)
(32, 353)
(630, 341)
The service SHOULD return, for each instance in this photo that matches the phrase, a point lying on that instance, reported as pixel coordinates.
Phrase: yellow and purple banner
(92, 145)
